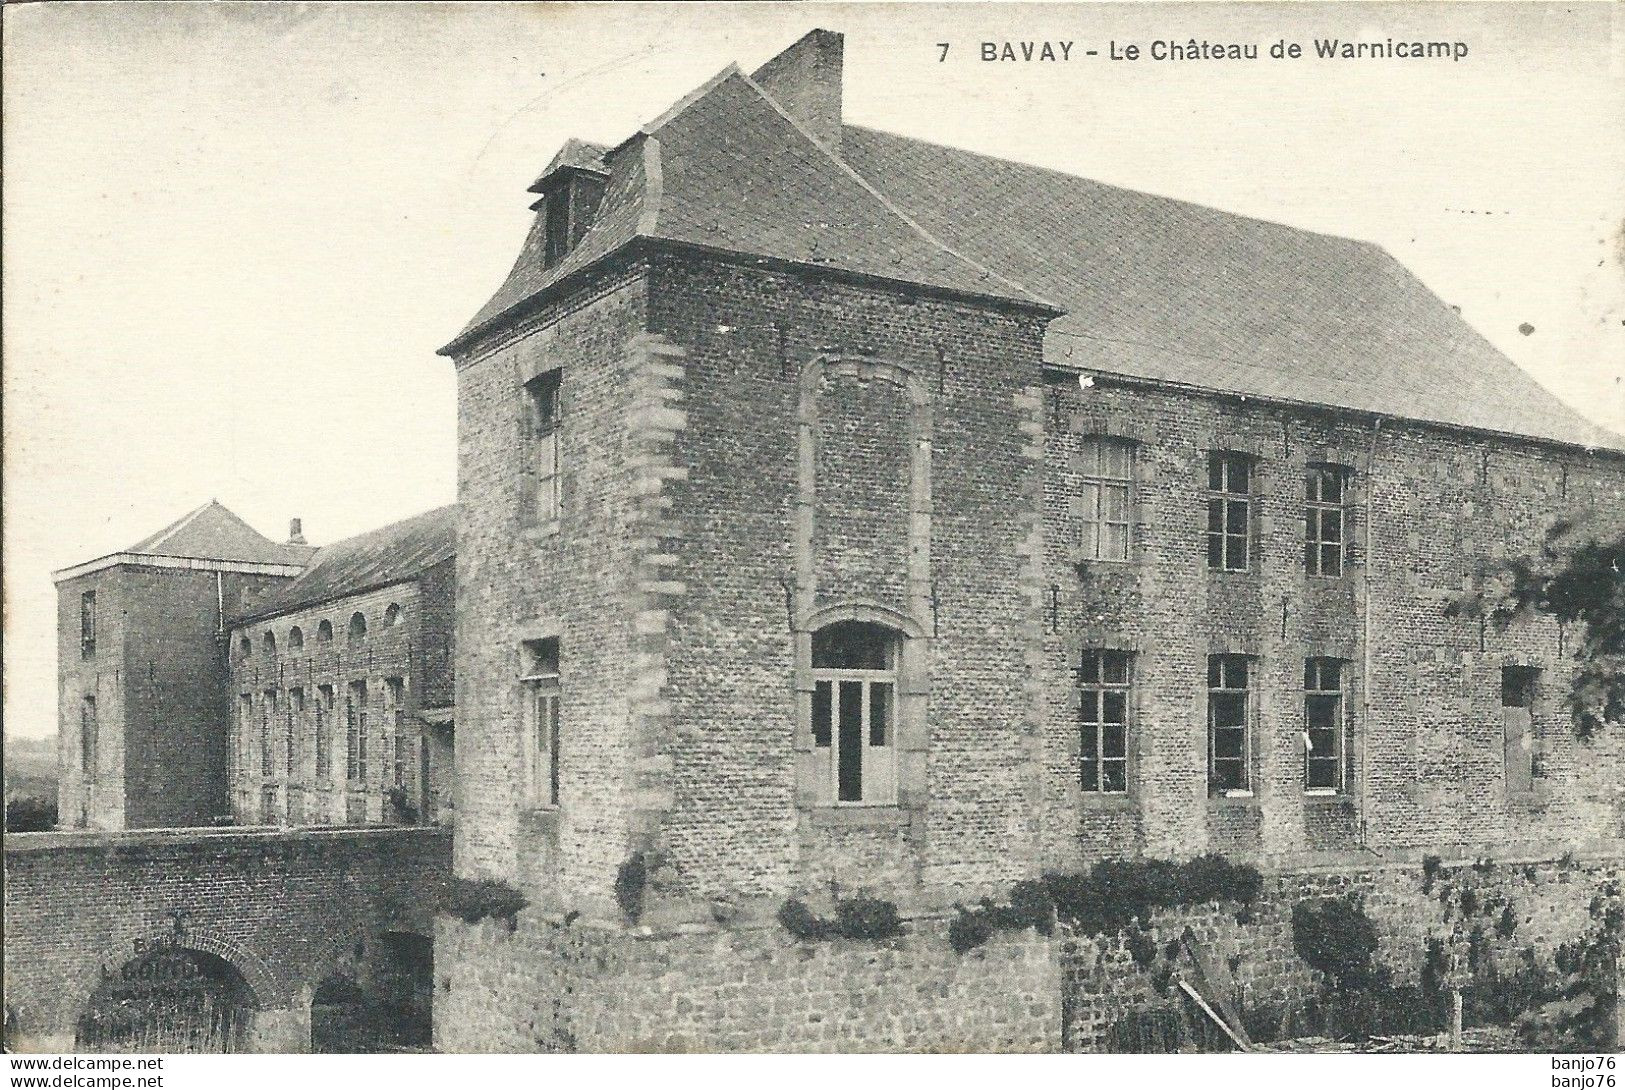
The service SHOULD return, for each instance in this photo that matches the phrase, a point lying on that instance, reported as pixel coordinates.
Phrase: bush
(1334, 935)
(863, 918)
(970, 928)
(30, 814)
(1116, 892)
(630, 880)
(472, 900)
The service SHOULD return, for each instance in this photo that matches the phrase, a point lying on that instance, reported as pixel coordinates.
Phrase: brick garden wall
(283, 908)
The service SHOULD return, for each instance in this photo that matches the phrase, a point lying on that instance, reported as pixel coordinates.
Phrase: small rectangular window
(543, 416)
(1323, 718)
(1106, 498)
(539, 686)
(88, 729)
(1518, 725)
(324, 733)
(87, 624)
(1229, 511)
(1103, 721)
(1229, 724)
(1325, 519)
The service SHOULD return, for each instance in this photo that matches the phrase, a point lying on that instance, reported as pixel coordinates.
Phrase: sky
(235, 233)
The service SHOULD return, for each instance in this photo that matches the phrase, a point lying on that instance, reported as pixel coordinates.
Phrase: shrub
(1431, 865)
(864, 918)
(630, 879)
(30, 814)
(1334, 935)
(1507, 924)
(472, 900)
(1116, 892)
(970, 928)
(1469, 902)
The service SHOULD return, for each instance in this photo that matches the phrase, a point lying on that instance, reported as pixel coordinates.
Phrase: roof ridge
(649, 215)
(1023, 164)
(676, 109)
(887, 203)
(152, 541)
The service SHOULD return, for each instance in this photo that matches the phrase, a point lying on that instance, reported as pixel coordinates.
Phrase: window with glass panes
(1103, 721)
(324, 735)
(1105, 496)
(1229, 511)
(395, 690)
(539, 686)
(543, 411)
(296, 713)
(355, 721)
(1323, 711)
(1229, 723)
(1325, 490)
(854, 710)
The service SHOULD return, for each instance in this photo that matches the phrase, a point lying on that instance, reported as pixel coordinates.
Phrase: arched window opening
(324, 632)
(245, 648)
(296, 639)
(854, 713)
(270, 645)
(358, 626)
(392, 615)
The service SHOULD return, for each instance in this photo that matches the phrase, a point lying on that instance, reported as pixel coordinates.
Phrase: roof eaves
(1119, 378)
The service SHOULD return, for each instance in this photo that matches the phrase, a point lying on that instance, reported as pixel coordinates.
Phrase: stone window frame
(296, 640)
(1524, 676)
(268, 643)
(1250, 706)
(356, 724)
(1314, 689)
(89, 740)
(814, 786)
(1225, 461)
(1315, 508)
(393, 614)
(324, 631)
(1102, 686)
(1096, 476)
(911, 620)
(395, 700)
(541, 699)
(268, 713)
(356, 630)
(295, 715)
(541, 446)
(323, 729)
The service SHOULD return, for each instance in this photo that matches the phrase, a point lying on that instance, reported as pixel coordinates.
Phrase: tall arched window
(392, 615)
(324, 632)
(854, 709)
(358, 626)
(296, 639)
(245, 648)
(270, 644)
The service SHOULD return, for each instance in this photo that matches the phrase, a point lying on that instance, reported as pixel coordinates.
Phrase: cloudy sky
(236, 233)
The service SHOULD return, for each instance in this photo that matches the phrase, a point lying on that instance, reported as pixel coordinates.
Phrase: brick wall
(283, 908)
(578, 582)
(160, 681)
(1426, 761)
(385, 652)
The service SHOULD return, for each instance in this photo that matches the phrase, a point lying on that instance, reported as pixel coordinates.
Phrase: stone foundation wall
(551, 986)
(548, 985)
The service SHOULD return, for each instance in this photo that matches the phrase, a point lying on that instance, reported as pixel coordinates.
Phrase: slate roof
(578, 154)
(390, 554)
(1146, 287)
(1162, 289)
(213, 532)
(727, 170)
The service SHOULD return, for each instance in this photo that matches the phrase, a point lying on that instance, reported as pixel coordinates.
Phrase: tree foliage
(1577, 575)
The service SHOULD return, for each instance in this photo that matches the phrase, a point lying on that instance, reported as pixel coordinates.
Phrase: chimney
(805, 80)
(296, 532)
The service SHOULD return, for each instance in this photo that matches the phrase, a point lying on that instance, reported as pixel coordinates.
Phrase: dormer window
(570, 198)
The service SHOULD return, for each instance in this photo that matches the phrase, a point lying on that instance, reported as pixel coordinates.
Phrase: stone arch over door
(175, 995)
